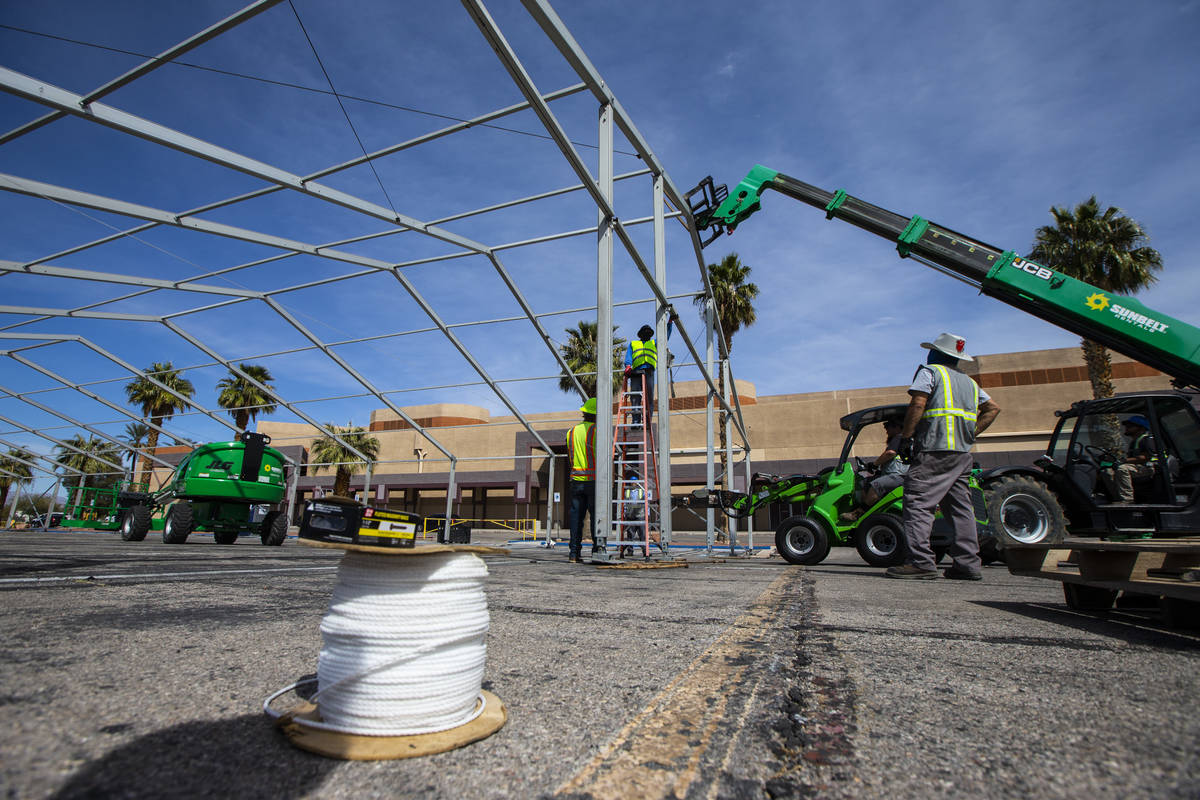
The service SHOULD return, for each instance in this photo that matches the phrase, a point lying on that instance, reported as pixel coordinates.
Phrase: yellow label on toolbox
(388, 525)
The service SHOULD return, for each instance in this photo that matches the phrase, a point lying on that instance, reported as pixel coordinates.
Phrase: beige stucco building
(502, 474)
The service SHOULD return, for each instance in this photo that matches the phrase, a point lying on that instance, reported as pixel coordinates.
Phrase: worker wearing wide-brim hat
(581, 449)
(946, 411)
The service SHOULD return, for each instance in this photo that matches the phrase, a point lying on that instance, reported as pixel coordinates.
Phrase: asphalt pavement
(139, 670)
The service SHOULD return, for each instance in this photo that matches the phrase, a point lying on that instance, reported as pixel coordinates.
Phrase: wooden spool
(297, 722)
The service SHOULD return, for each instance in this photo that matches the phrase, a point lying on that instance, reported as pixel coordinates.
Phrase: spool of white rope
(404, 644)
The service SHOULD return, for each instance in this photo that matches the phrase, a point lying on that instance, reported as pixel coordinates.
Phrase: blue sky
(978, 116)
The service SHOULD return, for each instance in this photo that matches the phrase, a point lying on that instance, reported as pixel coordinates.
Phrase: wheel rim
(1024, 518)
(800, 539)
(881, 540)
(127, 525)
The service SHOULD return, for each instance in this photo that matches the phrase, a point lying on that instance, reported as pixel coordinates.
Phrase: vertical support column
(53, 501)
(450, 492)
(12, 511)
(367, 486)
(750, 518)
(731, 524)
(662, 375)
(549, 496)
(709, 472)
(604, 335)
(293, 482)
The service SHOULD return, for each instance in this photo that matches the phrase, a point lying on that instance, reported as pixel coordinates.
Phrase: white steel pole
(602, 513)
(450, 492)
(709, 472)
(549, 496)
(726, 479)
(663, 372)
(750, 517)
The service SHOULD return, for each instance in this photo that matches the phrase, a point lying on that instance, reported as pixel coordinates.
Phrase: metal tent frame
(41, 338)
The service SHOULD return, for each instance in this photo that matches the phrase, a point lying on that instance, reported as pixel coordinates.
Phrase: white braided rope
(404, 644)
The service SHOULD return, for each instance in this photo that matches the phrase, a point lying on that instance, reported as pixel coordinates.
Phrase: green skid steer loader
(819, 501)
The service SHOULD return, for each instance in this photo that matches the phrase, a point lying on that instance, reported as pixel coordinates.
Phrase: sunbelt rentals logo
(1099, 302)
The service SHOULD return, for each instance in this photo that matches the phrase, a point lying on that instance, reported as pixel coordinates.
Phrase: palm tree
(326, 451)
(92, 456)
(136, 435)
(87, 464)
(580, 354)
(242, 399)
(158, 404)
(733, 300)
(13, 469)
(1107, 250)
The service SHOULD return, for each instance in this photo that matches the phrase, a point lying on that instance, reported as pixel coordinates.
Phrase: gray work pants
(936, 475)
(1119, 480)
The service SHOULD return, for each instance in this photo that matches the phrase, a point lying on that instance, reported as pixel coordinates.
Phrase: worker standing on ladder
(581, 445)
(641, 359)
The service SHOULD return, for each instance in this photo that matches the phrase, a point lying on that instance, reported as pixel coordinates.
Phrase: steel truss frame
(26, 341)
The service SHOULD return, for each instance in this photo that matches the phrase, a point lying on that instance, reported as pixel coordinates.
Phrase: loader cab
(854, 424)
(1089, 438)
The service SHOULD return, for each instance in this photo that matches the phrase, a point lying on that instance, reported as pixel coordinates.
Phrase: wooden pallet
(1166, 568)
(644, 565)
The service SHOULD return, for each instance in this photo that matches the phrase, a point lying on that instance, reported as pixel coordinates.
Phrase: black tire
(802, 540)
(225, 537)
(135, 523)
(1023, 511)
(274, 528)
(1088, 598)
(179, 523)
(879, 539)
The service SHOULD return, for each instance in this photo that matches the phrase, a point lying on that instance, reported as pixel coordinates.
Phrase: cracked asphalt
(139, 670)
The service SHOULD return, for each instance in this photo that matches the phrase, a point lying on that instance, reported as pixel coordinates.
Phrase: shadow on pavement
(1140, 626)
(243, 757)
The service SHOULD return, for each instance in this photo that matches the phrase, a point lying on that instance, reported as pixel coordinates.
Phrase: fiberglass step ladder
(635, 518)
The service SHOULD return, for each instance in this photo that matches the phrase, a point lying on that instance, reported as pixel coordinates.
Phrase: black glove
(906, 450)
(872, 467)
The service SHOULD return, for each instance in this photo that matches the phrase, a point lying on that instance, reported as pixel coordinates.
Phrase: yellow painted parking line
(659, 752)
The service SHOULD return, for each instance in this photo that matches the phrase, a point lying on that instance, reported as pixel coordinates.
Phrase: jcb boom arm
(1120, 323)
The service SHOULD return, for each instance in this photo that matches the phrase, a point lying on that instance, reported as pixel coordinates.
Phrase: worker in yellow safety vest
(946, 411)
(581, 447)
(641, 359)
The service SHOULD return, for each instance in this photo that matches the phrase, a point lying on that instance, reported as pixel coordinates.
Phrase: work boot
(956, 574)
(850, 516)
(911, 572)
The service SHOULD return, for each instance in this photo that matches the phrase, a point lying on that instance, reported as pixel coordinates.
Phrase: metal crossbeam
(34, 315)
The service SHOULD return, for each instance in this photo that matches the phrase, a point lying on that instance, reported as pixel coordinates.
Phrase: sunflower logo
(1097, 302)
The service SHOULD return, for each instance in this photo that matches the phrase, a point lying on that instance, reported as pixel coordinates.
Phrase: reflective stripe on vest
(1135, 449)
(644, 353)
(944, 416)
(581, 442)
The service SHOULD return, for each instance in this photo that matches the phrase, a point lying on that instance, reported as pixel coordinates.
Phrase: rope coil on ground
(404, 644)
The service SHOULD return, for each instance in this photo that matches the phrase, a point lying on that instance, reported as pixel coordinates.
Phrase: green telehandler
(1037, 504)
